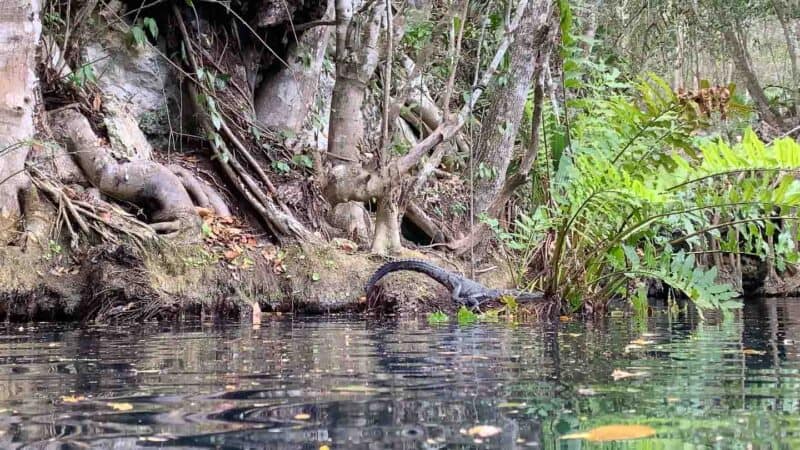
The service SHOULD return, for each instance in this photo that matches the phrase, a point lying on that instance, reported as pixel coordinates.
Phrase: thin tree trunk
(791, 45)
(20, 29)
(528, 54)
(739, 54)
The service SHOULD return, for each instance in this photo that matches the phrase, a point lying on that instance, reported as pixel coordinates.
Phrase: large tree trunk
(20, 30)
(284, 99)
(528, 54)
(739, 54)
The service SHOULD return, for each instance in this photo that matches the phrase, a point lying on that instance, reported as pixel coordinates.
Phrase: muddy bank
(113, 283)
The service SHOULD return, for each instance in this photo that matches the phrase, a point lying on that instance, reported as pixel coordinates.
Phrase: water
(360, 384)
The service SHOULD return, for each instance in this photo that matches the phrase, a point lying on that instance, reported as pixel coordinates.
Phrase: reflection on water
(356, 384)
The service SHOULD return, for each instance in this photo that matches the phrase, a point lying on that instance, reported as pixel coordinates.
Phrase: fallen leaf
(204, 212)
(613, 433)
(641, 341)
(121, 406)
(230, 255)
(618, 374)
(354, 388)
(512, 405)
(72, 398)
(324, 447)
(302, 416)
(750, 351)
(484, 431)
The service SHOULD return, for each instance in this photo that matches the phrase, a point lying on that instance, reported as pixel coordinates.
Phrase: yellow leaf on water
(750, 351)
(72, 398)
(613, 433)
(324, 447)
(302, 416)
(484, 431)
(121, 406)
(618, 374)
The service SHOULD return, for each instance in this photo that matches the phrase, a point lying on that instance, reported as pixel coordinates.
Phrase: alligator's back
(413, 265)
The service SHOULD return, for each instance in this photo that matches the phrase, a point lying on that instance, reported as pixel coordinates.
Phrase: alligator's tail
(414, 265)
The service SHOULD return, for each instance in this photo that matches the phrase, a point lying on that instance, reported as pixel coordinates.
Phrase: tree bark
(20, 29)
(739, 54)
(783, 13)
(528, 55)
(284, 99)
(357, 55)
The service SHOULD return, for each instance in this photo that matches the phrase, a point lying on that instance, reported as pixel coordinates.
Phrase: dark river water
(352, 383)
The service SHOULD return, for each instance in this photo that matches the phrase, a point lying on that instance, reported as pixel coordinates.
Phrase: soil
(113, 283)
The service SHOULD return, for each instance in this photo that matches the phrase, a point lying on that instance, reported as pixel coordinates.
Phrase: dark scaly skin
(462, 290)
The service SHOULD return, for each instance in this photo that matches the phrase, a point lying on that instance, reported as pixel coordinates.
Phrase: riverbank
(112, 283)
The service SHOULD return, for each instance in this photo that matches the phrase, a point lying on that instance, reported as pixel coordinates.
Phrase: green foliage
(465, 316)
(138, 32)
(437, 318)
(83, 76)
(635, 195)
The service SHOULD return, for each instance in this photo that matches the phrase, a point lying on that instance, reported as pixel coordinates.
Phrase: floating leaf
(613, 433)
(618, 374)
(355, 388)
(484, 431)
(121, 406)
(750, 351)
(72, 398)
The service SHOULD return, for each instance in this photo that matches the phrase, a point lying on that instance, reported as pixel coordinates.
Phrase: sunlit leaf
(614, 433)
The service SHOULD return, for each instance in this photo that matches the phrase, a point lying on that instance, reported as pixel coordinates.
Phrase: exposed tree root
(276, 216)
(144, 183)
(203, 195)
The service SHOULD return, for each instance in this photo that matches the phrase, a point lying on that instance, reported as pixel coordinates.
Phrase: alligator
(463, 291)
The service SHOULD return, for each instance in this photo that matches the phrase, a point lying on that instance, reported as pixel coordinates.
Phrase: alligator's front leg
(455, 294)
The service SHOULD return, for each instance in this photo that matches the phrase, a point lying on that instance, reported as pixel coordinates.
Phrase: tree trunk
(20, 29)
(739, 54)
(284, 99)
(781, 10)
(357, 55)
(528, 54)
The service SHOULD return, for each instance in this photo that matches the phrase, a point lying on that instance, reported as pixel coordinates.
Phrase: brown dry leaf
(613, 433)
(204, 212)
(484, 431)
(72, 398)
(230, 255)
(618, 374)
(121, 406)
